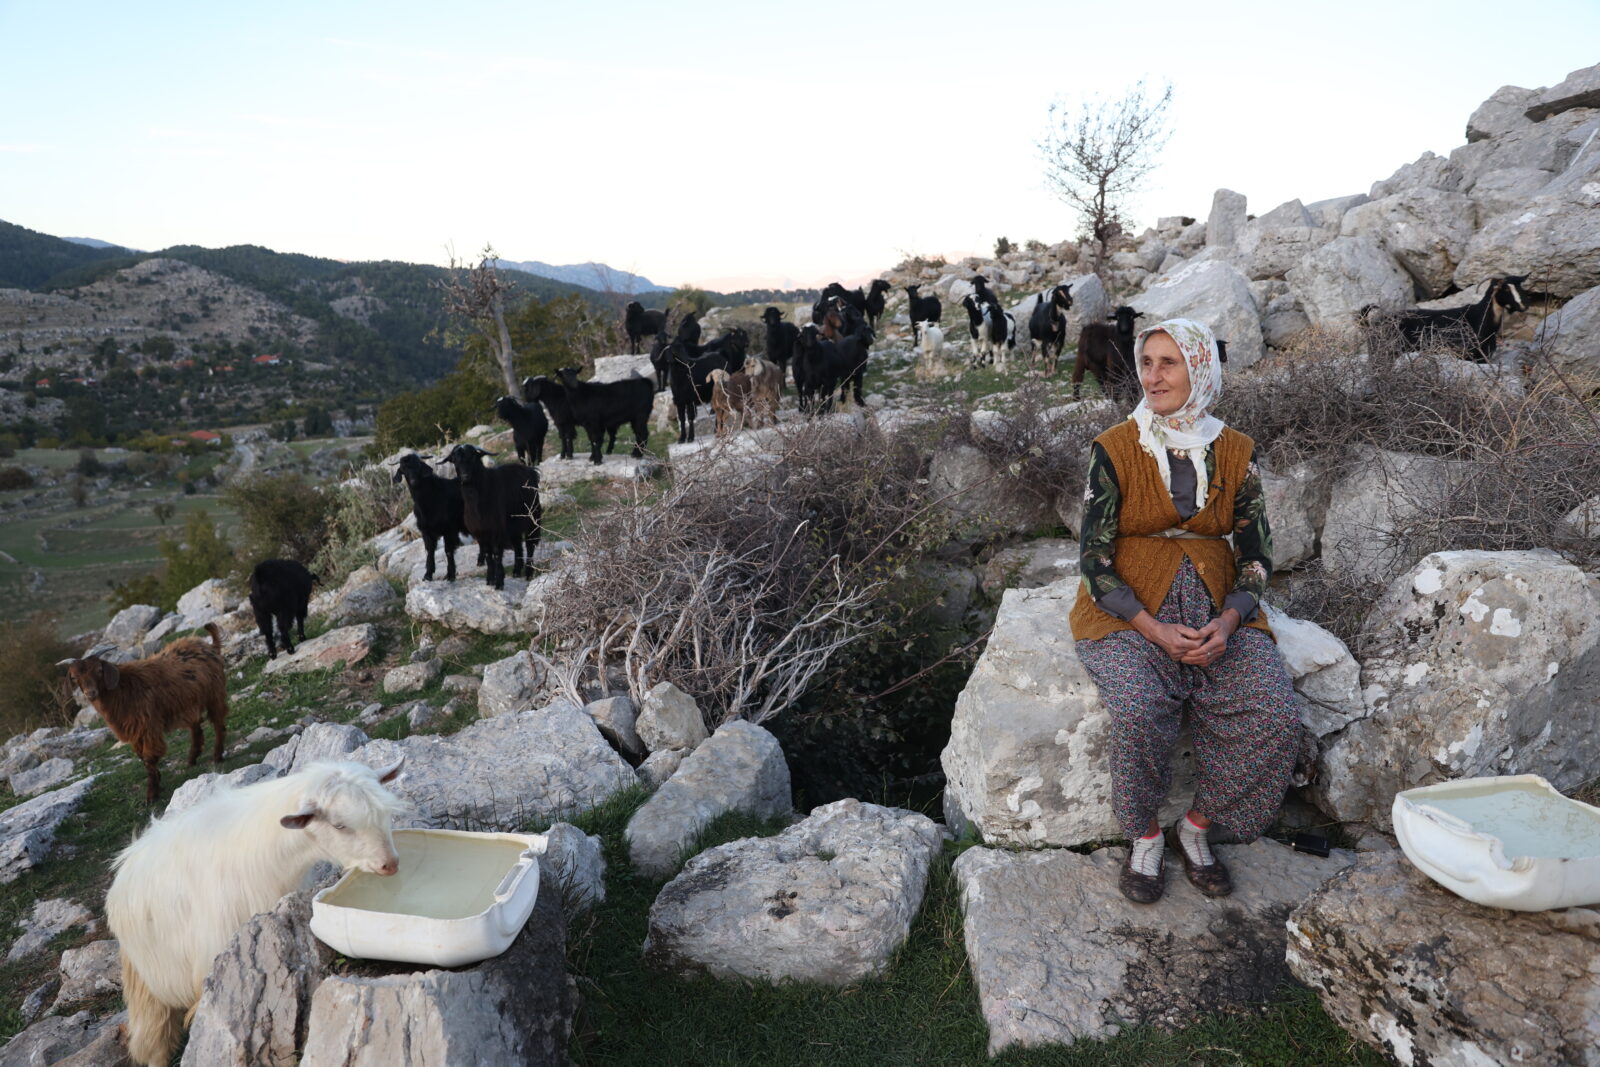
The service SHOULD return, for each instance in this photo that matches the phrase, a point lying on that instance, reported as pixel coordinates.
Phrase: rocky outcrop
(1215, 293)
(1428, 978)
(1483, 663)
(348, 645)
(1090, 962)
(738, 768)
(28, 831)
(828, 900)
(514, 1008)
(1028, 761)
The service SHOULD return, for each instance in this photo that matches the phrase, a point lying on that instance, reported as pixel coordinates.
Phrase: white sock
(1195, 845)
(1147, 852)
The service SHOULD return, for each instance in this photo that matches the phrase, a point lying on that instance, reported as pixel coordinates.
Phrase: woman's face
(1164, 373)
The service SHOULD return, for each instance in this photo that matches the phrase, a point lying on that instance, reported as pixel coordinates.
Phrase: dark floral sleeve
(1252, 544)
(1102, 503)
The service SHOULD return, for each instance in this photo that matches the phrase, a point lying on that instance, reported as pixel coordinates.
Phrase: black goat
(1474, 330)
(528, 427)
(1047, 326)
(602, 406)
(689, 329)
(637, 321)
(781, 337)
(436, 503)
(877, 296)
(922, 309)
(502, 510)
(280, 589)
(553, 396)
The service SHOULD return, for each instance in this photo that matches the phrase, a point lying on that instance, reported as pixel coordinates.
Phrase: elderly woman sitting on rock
(1171, 621)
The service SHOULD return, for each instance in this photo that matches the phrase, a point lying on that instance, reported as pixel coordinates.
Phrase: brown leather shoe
(1211, 879)
(1142, 888)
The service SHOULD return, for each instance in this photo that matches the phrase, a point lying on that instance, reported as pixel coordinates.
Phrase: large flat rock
(1059, 955)
(1428, 978)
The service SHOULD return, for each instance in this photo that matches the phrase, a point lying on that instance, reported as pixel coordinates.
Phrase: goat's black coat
(636, 322)
(436, 503)
(280, 590)
(553, 396)
(1473, 330)
(502, 510)
(602, 406)
(781, 337)
(528, 427)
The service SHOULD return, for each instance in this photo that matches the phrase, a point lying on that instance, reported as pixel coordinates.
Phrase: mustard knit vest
(1149, 564)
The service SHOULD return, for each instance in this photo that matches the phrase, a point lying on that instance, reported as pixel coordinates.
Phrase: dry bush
(740, 580)
(1038, 450)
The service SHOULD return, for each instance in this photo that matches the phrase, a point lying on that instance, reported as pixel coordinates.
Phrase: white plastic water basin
(458, 898)
(1509, 842)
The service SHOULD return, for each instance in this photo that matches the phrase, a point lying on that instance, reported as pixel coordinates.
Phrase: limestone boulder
(28, 830)
(1029, 565)
(1212, 292)
(738, 768)
(1426, 230)
(511, 684)
(1028, 760)
(1366, 507)
(1482, 663)
(256, 1004)
(1555, 237)
(515, 1008)
(128, 626)
(1337, 280)
(348, 645)
(1227, 218)
(499, 773)
(1504, 111)
(828, 900)
(1089, 962)
(468, 605)
(1425, 977)
(1571, 337)
(670, 718)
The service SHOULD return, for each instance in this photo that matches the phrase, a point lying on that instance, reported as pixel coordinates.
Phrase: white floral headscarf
(1192, 427)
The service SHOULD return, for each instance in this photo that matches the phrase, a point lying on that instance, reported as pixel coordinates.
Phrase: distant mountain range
(597, 276)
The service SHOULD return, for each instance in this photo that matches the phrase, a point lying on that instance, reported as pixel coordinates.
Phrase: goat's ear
(298, 820)
(389, 774)
(109, 675)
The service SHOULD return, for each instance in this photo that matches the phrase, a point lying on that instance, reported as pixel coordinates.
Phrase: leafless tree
(477, 295)
(1097, 153)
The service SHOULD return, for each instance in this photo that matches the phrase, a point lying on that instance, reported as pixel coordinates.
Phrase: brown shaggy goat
(181, 685)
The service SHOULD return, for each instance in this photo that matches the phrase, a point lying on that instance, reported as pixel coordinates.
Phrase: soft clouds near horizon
(708, 142)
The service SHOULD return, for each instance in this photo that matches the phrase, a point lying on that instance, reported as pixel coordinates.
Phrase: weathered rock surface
(409, 677)
(48, 918)
(88, 972)
(738, 768)
(1214, 293)
(670, 718)
(257, 1000)
(1571, 337)
(1426, 230)
(348, 645)
(828, 900)
(1484, 663)
(1028, 759)
(1428, 978)
(468, 605)
(617, 719)
(1382, 492)
(513, 1009)
(1091, 962)
(499, 773)
(1337, 280)
(1034, 563)
(510, 684)
(28, 831)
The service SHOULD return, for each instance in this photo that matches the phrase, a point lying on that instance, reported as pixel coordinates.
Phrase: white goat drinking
(191, 880)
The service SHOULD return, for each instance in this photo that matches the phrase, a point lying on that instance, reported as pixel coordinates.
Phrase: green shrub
(281, 516)
(31, 692)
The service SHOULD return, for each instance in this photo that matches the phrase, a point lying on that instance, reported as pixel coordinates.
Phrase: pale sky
(709, 142)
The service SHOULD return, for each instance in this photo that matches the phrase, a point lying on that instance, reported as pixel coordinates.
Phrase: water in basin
(1528, 820)
(440, 877)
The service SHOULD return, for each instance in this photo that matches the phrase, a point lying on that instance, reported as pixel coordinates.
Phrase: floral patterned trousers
(1244, 719)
